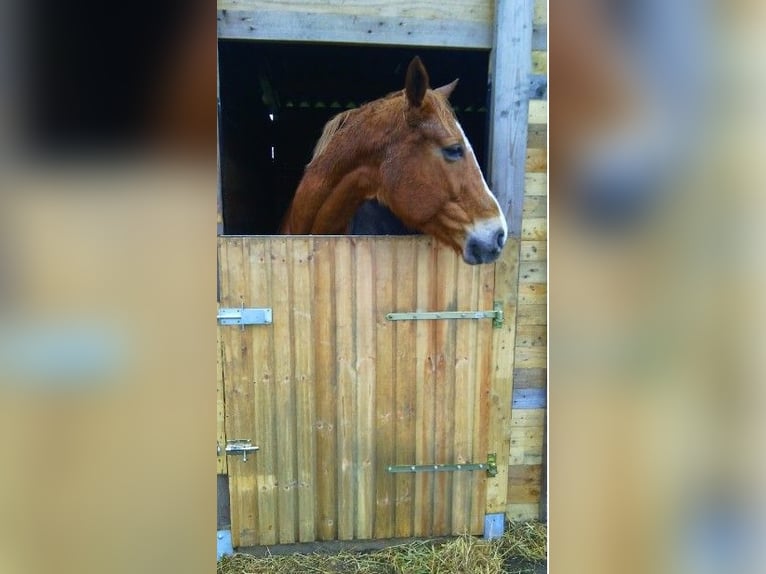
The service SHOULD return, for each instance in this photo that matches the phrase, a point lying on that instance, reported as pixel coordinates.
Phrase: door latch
(240, 446)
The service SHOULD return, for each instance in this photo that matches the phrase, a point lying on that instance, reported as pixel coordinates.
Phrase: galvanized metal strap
(244, 316)
(490, 466)
(496, 315)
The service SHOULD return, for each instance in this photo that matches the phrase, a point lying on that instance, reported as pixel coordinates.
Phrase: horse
(407, 152)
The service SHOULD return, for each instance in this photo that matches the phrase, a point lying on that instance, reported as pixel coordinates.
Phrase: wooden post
(510, 73)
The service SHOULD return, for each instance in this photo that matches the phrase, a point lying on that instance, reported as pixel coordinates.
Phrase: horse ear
(447, 90)
(416, 83)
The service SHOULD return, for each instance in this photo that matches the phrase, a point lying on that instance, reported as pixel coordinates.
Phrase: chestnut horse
(408, 152)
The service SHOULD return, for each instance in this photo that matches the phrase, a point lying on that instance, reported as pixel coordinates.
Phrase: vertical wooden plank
(304, 376)
(326, 388)
(503, 342)
(465, 395)
(385, 419)
(346, 373)
(267, 459)
(220, 406)
(407, 366)
(444, 392)
(365, 387)
(484, 378)
(511, 65)
(238, 394)
(425, 375)
(281, 262)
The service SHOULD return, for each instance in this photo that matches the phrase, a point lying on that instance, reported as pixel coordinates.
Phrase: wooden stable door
(333, 393)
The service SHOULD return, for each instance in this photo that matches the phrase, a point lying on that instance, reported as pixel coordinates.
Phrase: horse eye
(452, 152)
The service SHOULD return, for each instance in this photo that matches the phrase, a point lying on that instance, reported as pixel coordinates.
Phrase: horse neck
(345, 174)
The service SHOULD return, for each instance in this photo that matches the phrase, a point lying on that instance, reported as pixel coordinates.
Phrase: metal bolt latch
(240, 446)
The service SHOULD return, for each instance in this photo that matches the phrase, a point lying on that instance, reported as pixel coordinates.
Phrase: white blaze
(482, 226)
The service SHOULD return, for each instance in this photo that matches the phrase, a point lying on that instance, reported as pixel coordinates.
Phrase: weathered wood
(284, 382)
(534, 251)
(324, 328)
(385, 389)
(406, 369)
(238, 394)
(532, 315)
(528, 417)
(536, 184)
(220, 407)
(485, 381)
(463, 10)
(537, 160)
(506, 286)
(531, 336)
(533, 272)
(425, 385)
(524, 482)
(535, 228)
(333, 392)
(365, 389)
(267, 460)
(522, 512)
(305, 384)
(529, 378)
(347, 376)
(444, 353)
(538, 112)
(465, 381)
(243, 23)
(535, 206)
(509, 107)
(530, 357)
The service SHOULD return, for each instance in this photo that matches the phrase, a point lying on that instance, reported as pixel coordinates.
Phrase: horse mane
(330, 129)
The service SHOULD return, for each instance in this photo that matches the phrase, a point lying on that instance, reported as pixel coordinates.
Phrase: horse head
(408, 152)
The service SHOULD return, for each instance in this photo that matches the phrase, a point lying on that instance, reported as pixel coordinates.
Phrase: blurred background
(656, 116)
(107, 287)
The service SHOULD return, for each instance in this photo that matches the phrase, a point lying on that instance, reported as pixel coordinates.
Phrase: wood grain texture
(506, 287)
(536, 184)
(463, 10)
(238, 394)
(248, 22)
(284, 383)
(220, 410)
(385, 390)
(425, 391)
(267, 459)
(334, 393)
(345, 353)
(406, 395)
(365, 437)
(509, 106)
(324, 329)
(305, 385)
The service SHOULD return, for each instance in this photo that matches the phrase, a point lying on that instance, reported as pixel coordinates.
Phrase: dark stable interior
(275, 99)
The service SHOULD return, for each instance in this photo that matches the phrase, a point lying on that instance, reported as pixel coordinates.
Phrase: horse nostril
(500, 239)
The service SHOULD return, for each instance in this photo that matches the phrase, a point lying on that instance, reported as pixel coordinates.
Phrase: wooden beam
(291, 26)
(511, 68)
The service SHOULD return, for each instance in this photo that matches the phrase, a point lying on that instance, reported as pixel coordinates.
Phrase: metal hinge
(239, 446)
(496, 315)
(244, 316)
(490, 466)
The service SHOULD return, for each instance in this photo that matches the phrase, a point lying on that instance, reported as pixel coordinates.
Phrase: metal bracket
(240, 446)
(496, 315)
(490, 466)
(244, 316)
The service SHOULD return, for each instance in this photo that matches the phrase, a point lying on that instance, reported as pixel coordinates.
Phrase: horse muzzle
(484, 243)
